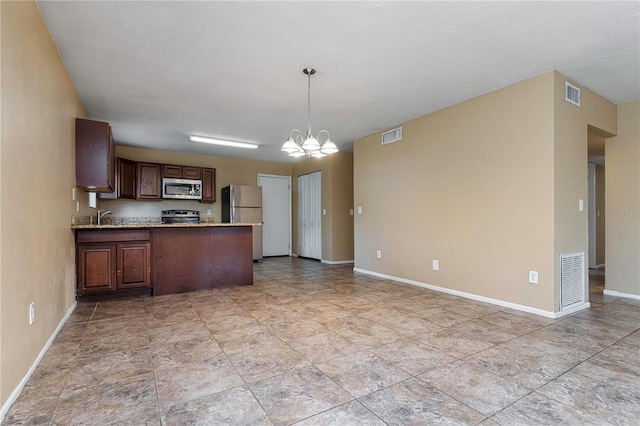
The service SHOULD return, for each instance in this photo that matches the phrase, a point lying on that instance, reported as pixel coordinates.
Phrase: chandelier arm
(321, 132)
(300, 134)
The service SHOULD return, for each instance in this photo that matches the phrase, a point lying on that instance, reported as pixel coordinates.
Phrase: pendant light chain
(309, 100)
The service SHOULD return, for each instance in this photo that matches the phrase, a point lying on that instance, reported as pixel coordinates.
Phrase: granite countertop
(162, 225)
(110, 222)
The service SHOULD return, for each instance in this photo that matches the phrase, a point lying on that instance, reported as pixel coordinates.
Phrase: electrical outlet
(324, 212)
(209, 212)
(32, 313)
(379, 254)
(533, 277)
(359, 209)
(435, 264)
(77, 206)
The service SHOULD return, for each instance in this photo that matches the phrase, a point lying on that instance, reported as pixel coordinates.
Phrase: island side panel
(181, 260)
(231, 256)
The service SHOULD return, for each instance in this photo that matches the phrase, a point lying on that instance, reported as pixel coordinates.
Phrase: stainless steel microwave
(182, 189)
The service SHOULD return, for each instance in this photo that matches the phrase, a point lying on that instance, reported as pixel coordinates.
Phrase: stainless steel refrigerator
(243, 204)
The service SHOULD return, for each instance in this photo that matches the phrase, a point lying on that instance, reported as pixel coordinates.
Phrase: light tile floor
(315, 344)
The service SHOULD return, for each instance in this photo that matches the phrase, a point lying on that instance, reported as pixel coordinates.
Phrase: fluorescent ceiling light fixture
(223, 142)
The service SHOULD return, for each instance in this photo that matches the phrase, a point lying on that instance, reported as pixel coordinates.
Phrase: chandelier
(298, 145)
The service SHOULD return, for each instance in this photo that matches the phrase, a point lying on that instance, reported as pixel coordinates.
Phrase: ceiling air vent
(571, 93)
(392, 136)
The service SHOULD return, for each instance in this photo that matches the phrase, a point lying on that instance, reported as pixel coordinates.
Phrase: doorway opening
(596, 215)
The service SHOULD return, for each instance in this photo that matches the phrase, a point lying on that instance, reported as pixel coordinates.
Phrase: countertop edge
(161, 225)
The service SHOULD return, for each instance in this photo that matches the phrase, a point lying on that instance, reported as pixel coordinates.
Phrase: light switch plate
(435, 265)
(350, 212)
(581, 204)
(359, 209)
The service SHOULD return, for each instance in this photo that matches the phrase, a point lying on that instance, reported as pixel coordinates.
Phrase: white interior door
(310, 215)
(276, 214)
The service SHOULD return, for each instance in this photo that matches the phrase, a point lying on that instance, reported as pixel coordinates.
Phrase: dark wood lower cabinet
(134, 265)
(96, 268)
(114, 263)
(190, 259)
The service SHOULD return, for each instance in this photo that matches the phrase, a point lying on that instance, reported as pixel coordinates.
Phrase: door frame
(260, 175)
(591, 215)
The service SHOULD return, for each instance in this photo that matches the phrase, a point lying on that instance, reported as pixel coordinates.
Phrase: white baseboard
(337, 262)
(618, 294)
(16, 392)
(471, 296)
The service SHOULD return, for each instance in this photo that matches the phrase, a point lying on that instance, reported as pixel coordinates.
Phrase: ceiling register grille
(571, 279)
(571, 94)
(394, 135)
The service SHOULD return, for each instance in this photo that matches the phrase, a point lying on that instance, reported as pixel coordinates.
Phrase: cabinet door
(170, 171)
(208, 186)
(191, 172)
(96, 268)
(134, 265)
(95, 156)
(126, 179)
(149, 182)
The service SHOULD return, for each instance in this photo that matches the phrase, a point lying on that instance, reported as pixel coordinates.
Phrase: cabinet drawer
(111, 236)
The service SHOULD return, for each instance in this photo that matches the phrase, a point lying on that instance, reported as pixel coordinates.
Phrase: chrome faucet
(103, 213)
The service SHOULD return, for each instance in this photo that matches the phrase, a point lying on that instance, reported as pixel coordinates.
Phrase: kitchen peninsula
(127, 260)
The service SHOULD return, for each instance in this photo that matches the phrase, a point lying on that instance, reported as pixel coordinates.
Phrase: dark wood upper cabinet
(126, 181)
(149, 181)
(95, 156)
(191, 172)
(181, 172)
(208, 186)
(171, 171)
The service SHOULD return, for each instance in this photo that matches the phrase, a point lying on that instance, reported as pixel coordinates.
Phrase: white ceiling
(159, 71)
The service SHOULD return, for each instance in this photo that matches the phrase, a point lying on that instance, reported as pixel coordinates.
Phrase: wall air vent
(571, 280)
(392, 136)
(571, 93)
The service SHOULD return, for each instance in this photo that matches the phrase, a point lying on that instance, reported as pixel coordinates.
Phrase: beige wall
(470, 186)
(337, 199)
(600, 215)
(623, 203)
(342, 205)
(571, 127)
(489, 187)
(228, 171)
(39, 106)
